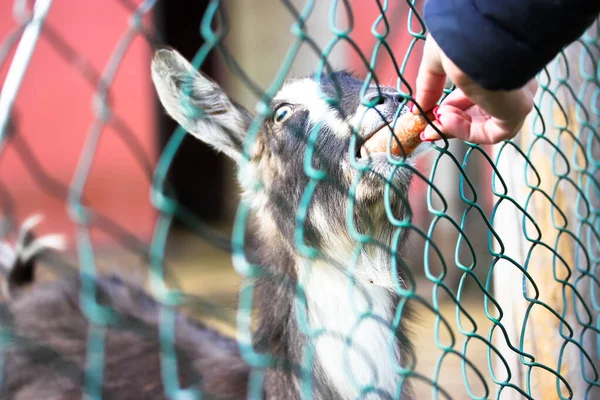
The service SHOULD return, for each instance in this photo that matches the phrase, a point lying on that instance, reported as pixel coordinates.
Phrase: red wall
(54, 115)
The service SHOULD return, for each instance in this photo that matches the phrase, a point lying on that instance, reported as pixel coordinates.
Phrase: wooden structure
(556, 263)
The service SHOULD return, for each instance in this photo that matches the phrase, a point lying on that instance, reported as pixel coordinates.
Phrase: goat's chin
(381, 172)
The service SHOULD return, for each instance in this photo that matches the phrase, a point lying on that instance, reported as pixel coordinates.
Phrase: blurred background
(57, 121)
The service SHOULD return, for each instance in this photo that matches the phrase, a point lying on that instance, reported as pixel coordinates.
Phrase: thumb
(431, 78)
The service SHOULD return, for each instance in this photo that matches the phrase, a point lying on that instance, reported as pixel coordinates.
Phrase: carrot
(407, 133)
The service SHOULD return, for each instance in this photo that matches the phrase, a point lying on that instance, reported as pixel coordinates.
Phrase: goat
(358, 352)
(48, 332)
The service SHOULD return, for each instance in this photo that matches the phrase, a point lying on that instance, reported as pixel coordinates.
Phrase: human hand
(470, 112)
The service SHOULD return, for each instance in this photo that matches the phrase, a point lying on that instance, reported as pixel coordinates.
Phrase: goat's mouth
(405, 137)
(377, 142)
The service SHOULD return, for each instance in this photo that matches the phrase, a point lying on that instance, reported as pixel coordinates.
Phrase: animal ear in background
(18, 261)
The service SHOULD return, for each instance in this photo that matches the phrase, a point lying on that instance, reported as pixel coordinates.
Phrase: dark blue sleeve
(502, 44)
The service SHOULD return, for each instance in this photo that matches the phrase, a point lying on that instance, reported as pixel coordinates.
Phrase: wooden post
(542, 331)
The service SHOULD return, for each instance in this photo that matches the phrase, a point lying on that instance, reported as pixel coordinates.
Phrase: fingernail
(429, 134)
(413, 108)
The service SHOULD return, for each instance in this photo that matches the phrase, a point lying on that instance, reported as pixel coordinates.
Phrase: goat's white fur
(373, 264)
(338, 306)
(307, 94)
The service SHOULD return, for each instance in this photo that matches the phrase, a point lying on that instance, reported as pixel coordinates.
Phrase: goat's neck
(341, 303)
(342, 306)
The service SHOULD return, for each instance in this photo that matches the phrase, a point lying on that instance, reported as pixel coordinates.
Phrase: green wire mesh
(544, 192)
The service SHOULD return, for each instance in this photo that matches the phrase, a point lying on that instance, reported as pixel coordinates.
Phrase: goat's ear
(198, 104)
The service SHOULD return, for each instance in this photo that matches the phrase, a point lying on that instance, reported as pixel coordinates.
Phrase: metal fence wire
(535, 329)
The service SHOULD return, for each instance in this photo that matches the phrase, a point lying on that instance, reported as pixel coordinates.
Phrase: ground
(207, 272)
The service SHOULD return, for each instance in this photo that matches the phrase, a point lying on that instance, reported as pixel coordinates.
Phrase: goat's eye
(282, 114)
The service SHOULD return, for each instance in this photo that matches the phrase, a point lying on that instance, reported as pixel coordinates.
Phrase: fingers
(431, 78)
(509, 106)
(455, 103)
(470, 113)
(452, 121)
(502, 115)
(473, 126)
(493, 131)
(457, 99)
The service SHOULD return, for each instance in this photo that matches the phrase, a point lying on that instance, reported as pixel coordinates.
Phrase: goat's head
(336, 106)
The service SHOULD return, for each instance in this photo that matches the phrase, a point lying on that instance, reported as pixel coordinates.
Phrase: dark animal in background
(47, 353)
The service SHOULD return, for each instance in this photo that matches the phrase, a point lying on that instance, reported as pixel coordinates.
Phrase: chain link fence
(508, 311)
